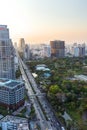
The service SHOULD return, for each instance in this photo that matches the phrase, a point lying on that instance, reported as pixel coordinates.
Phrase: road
(39, 113)
(52, 123)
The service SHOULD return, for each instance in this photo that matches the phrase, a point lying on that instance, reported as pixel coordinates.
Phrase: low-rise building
(42, 67)
(14, 123)
(81, 77)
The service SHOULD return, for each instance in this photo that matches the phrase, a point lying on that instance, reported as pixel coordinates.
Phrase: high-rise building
(82, 50)
(11, 93)
(78, 50)
(75, 50)
(21, 45)
(46, 51)
(57, 48)
(6, 54)
(27, 52)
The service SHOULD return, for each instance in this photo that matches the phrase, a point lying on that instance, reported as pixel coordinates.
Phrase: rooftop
(3, 80)
(42, 67)
(9, 83)
(22, 123)
(81, 77)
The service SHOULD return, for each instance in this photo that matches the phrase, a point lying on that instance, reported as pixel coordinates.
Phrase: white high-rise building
(6, 54)
(78, 50)
(47, 51)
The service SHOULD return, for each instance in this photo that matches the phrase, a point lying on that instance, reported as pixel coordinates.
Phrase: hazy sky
(45, 20)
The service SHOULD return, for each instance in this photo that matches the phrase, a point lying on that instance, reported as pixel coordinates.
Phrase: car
(62, 128)
(57, 123)
(48, 118)
(51, 124)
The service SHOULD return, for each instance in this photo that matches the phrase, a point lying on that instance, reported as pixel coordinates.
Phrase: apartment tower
(57, 49)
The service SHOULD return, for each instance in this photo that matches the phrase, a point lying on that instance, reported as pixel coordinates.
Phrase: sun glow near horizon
(40, 21)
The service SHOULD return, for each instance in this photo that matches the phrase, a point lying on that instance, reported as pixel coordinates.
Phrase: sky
(39, 21)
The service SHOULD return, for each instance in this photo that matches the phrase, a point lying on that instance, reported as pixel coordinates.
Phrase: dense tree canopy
(54, 89)
(63, 92)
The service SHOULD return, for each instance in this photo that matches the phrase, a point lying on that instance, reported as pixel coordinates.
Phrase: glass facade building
(6, 54)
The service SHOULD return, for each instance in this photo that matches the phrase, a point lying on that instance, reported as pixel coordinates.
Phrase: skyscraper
(27, 52)
(21, 45)
(6, 54)
(57, 48)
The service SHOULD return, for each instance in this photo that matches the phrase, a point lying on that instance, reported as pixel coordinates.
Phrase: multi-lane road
(49, 123)
(38, 110)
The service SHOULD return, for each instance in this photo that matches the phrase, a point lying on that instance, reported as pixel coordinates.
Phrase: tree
(18, 73)
(54, 89)
(66, 85)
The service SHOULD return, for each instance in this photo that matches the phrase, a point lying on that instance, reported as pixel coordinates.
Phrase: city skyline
(41, 21)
